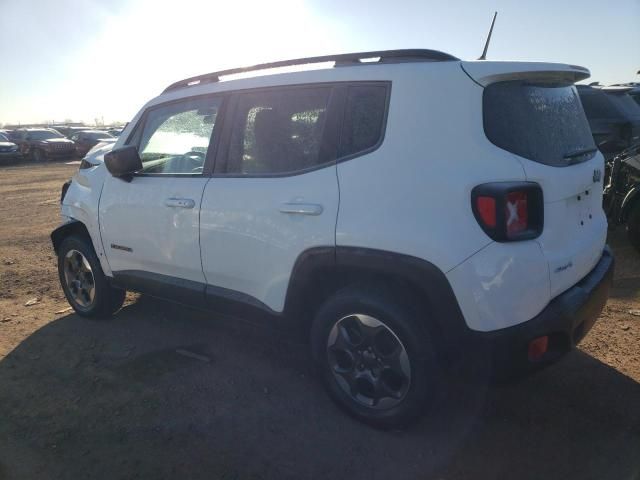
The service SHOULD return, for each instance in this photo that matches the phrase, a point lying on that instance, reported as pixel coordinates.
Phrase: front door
(150, 225)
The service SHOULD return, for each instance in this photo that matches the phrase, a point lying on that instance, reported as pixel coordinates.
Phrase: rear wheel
(83, 281)
(374, 356)
(633, 226)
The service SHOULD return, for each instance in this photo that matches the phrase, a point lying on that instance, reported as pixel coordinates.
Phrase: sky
(84, 60)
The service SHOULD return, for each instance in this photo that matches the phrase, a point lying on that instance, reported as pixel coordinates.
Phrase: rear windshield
(544, 123)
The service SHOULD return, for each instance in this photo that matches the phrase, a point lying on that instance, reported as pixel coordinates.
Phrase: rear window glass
(544, 123)
(364, 118)
(277, 132)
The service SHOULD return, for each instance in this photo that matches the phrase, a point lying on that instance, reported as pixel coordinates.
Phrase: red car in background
(88, 139)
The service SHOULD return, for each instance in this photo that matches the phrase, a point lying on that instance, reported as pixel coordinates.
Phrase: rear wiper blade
(579, 153)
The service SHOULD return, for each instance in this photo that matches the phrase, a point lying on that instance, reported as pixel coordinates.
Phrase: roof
(340, 60)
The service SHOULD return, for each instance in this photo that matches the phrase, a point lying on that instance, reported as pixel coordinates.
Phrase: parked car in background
(622, 193)
(634, 92)
(42, 144)
(115, 131)
(9, 151)
(69, 131)
(614, 117)
(487, 247)
(87, 139)
(12, 135)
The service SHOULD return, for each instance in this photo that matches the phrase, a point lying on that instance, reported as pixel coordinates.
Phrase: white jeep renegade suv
(411, 210)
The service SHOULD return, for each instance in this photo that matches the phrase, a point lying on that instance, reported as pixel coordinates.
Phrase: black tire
(633, 226)
(399, 314)
(39, 155)
(106, 299)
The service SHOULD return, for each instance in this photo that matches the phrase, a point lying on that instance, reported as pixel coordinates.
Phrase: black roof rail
(344, 59)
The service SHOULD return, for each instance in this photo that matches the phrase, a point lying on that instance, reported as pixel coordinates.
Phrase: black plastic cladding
(345, 59)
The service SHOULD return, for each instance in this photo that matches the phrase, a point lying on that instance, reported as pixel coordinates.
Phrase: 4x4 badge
(597, 175)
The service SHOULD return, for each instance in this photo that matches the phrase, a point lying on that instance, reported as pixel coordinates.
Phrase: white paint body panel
(82, 198)
(163, 239)
(502, 285)
(249, 245)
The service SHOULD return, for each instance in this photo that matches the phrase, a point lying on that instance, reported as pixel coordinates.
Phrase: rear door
(539, 118)
(274, 193)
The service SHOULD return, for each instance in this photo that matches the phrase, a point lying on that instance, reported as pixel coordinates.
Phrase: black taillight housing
(509, 211)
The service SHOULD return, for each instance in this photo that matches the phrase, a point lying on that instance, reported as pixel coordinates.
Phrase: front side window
(176, 137)
(276, 132)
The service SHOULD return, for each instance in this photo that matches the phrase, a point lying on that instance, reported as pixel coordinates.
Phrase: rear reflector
(516, 213)
(538, 347)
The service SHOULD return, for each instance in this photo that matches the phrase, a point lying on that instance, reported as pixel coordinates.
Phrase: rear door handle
(301, 208)
(180, 202)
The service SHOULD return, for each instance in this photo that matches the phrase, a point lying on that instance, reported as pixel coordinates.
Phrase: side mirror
(123, 162)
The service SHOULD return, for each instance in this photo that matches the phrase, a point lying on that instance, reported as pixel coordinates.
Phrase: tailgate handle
(301, 208)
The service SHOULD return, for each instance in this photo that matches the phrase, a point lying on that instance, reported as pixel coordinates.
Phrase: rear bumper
(566, 320)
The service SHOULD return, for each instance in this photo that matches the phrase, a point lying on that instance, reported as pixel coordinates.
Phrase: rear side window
(364, 119)
(544, 123)
(276, 132)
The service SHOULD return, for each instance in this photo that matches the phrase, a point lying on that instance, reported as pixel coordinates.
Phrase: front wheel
(84, 283)
(633, 226)
(375, 356)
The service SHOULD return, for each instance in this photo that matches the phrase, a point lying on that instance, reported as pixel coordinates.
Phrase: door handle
(180, 202)
(301, 208)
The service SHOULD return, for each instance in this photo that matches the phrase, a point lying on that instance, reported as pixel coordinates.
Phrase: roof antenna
(486, 45)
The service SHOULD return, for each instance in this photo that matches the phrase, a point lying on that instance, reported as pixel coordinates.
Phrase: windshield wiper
(579, 153)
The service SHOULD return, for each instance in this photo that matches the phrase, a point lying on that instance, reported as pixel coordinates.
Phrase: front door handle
(180, 203)
(301, 208)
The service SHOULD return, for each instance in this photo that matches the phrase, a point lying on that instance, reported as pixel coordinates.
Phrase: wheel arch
(320, 272)
(74, 227)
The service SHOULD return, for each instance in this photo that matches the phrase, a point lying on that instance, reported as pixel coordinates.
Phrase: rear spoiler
(487, 72)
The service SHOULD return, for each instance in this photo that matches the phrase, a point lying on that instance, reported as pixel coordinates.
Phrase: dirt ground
(114, 399)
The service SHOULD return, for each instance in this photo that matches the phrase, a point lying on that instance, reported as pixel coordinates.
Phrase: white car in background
(412, 212)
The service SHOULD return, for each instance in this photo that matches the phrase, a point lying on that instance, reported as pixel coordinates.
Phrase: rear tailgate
(533, 111)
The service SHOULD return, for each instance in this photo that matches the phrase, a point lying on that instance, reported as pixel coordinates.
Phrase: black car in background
(42, 144)
(614, 117)
(87, 139)
(622, 192)
(9, 151)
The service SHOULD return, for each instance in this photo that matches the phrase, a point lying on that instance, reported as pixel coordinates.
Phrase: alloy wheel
(79, 278)
(369, 361)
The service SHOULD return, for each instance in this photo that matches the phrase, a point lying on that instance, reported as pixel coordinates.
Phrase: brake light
(487, 210)
(509, 211)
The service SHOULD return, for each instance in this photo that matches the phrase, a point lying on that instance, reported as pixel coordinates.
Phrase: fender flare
(427, 280)
(66, 229)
